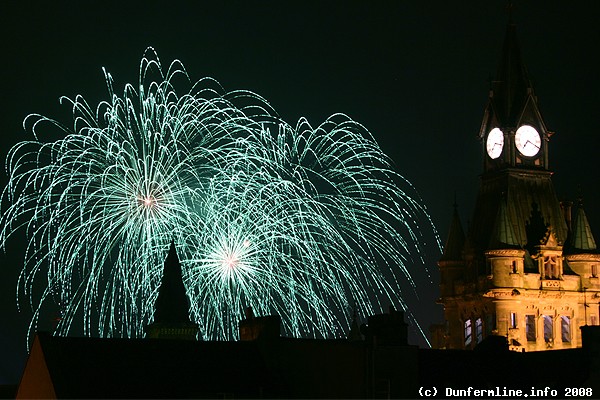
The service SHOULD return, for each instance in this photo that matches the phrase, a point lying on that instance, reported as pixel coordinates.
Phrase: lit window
(479, 330)
(513, 320)
(530, 328)
(468, 333)
(565, 329)
(548, 329)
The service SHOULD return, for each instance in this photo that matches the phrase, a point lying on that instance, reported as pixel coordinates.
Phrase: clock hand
(531, 143)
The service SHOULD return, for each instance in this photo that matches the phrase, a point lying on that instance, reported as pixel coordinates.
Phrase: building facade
(527, 268)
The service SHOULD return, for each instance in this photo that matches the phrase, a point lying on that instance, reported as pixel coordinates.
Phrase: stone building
(527, 268)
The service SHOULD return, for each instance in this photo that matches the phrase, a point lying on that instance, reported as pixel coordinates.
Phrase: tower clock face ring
(528, 141)
(494, 143)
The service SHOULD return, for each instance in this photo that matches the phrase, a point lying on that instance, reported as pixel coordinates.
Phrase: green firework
(292, 220)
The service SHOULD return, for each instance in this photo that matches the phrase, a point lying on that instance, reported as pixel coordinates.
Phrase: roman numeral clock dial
(528, 141)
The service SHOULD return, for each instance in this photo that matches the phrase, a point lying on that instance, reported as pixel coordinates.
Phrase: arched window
(565, 329)
(530, 328)
(479, 330)
(551, 267)
(548, 329)
(468, 332)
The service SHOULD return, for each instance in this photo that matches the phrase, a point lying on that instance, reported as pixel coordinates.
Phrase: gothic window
(513, 320)
(548, 329)
(551, 267)
(468, 333)
(479, 330)
(565, 329)
(513, 267)
(594, 270)
(530, 328)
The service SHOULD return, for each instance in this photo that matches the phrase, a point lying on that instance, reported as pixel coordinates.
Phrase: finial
(579, 196)
(509, 8)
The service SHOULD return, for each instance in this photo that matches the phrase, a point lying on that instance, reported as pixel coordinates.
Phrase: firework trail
(295, 221)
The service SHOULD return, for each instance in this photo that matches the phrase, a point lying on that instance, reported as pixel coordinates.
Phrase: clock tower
(523, 270)
(513, 131)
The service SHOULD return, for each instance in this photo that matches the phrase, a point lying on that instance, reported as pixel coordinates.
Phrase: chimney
(387, 329)
(253, 328)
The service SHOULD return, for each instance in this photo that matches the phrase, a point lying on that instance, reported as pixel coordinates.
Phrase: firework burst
(292, 220)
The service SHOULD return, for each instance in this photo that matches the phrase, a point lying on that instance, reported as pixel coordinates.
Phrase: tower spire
(512, 84)
(509, 9)
(172, 304)
(456, 238)
(171, 315)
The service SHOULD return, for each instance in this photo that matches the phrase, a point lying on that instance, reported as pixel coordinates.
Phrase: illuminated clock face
(528, 141)
(494, 144)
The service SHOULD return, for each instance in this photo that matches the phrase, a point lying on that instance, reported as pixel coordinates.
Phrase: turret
(581, 252)
(451, 263)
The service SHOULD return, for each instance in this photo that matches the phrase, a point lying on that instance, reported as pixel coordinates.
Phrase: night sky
(415, 73)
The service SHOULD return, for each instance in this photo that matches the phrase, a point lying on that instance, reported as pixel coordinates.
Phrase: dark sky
(415, 73)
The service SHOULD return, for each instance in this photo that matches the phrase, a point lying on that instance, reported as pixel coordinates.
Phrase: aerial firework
(303, 222)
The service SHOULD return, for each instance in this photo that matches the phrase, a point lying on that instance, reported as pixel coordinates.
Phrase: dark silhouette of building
(171, 310)
(265, 365)
(382, 366)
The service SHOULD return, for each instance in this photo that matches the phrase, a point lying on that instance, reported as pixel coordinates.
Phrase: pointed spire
(512, 85)
(171, 315)
(509, 9)
(456, 239)
(503, 234)
(582, 240)
(172, 305)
